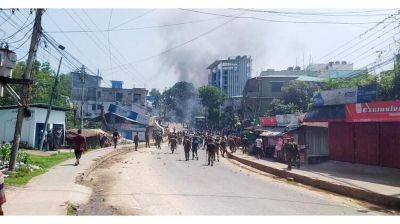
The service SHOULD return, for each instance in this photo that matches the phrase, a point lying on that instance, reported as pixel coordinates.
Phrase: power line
(116, 50)
(344, 13)
(134, 18)
(5, 20)
(136, 28)
(108, 36)
(184, 43)
(358, 43)
(70, 41)
(279, 21)
(360, 35)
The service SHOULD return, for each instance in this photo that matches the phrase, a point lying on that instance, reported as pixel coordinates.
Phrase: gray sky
(145, 54)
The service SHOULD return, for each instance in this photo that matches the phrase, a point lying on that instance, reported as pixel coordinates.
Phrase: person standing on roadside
(136, 140)
(259, 142)
(147, 139)
(116, 136)
(2, 193)
(80, 146)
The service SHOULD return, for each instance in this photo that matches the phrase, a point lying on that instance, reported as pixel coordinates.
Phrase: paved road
(156, 182)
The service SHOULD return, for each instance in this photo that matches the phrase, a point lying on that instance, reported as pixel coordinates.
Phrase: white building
(230, 75)
(32, 126)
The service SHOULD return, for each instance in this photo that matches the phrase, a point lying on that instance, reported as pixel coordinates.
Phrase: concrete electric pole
(52, 96)
(26, 91)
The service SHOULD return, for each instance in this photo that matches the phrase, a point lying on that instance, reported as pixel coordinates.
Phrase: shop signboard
(335, 97)
(268, 121)
(384, 111)
(287, 120)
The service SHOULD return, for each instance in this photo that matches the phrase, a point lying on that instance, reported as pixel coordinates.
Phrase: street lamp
(51, 101)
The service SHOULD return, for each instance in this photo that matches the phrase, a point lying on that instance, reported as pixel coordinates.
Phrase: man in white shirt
(259, 142)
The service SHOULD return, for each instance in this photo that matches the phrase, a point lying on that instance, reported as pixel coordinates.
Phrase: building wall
(230, 75)
(8, 119)
(371, 143)
(260, 95)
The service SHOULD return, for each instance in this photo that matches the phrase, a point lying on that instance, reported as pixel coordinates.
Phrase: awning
(326, 114)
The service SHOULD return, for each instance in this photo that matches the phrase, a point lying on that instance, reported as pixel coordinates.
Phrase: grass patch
(23, 175)
(71, 210)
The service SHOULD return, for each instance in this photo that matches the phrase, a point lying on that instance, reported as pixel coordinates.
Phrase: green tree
(389, 83)
(229, 118)
(180, 98)
(157, 97)
(299, 93)
(211, 97)
(278, 106)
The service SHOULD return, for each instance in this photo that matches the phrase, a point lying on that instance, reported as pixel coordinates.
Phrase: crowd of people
(217, 144)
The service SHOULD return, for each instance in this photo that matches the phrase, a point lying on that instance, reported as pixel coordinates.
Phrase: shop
(370, 134)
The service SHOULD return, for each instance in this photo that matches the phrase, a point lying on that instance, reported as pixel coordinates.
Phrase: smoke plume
(189, 63)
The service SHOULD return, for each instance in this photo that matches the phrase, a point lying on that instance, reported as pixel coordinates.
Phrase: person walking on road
(222, 146)
(173, 142)
(259, 142)
(147, 139)
(211, 151)
(289, 152)
(245, 142)
(80, 146)
(116, 136)
(195, 146)
(186, 146)
(136, 140)
(2, 193)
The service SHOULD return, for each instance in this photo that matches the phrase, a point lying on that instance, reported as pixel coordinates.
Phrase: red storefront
(370, 135)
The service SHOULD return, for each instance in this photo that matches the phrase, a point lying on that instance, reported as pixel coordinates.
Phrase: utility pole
(83, 92)
(53, 95)
(27, 89)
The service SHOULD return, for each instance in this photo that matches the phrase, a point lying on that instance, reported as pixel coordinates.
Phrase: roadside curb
(123, 149)
(369, 196)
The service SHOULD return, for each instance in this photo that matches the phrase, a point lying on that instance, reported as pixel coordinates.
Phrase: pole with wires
(27, 89)
(53, 95)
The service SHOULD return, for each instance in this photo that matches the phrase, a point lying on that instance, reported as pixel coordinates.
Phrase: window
(118, 97)
(136, 98)
(98, 94)
(276, 87)
(93, 107)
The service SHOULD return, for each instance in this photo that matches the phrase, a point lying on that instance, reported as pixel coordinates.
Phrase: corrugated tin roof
(37, 105)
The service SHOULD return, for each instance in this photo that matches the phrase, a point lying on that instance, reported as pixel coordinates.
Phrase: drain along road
(156, 182)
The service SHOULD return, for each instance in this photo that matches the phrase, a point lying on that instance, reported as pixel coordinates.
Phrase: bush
(5, 151)
(23, 157)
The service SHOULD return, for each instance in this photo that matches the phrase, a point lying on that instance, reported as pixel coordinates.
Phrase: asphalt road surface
(156, 182)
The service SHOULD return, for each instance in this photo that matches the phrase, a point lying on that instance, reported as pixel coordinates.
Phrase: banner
(367, 94)
(140, 118)
(374, 111)
(268, 121)
(335, 97)
(287, 120)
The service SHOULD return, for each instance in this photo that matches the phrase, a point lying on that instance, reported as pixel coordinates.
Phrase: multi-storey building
(230, 75)
(96, 96)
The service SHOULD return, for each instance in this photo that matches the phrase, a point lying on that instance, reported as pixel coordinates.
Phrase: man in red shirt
(80, 146)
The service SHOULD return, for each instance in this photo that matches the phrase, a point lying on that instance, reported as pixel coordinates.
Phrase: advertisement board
(373, 111)
(268, 121)
(335, 97)
(287, 120)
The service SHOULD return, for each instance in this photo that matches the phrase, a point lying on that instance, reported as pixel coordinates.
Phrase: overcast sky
(157, 47)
